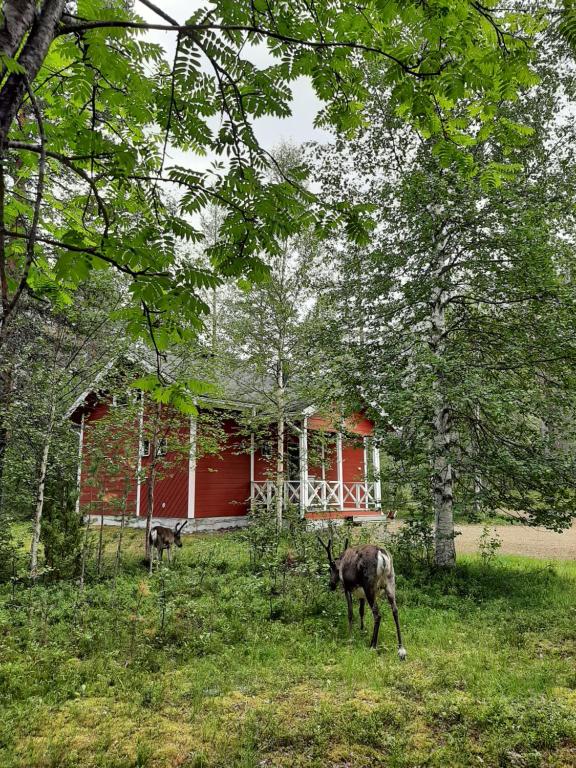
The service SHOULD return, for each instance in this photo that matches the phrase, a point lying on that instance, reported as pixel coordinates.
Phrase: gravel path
(518, 540)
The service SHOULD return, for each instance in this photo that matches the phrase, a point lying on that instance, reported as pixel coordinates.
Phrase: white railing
(321, 494)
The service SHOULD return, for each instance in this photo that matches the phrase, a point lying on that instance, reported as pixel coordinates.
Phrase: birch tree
(465, 300)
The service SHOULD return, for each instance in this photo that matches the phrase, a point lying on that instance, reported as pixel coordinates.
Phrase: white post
(323, 475)
(339, 470)
(366, 495)
(376, 469)
(252, 467)
(192, 468)
(140, 451)
(79, 473)
(304, 467)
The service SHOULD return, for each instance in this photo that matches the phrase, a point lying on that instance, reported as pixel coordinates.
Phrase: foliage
(62, 533)
(456, 323)
(94, 679)
(413, 545)
(106, 106)
(488, 544)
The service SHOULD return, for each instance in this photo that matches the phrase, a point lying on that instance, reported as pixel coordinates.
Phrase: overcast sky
(270, 131)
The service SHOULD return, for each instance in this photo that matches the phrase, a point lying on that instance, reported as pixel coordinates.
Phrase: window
(266, 450)
(161, 449)
(121, 399)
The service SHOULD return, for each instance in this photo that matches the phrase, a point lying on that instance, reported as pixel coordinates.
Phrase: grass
(207, 665)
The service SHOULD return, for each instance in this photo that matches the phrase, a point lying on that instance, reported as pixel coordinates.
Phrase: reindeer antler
(328, 548)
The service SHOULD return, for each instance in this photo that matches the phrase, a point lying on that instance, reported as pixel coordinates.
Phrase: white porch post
(252, 465)
(192, 469)
(323, 476)
(304, 467)
(79, 473)
(339, 470)
(376, 469)
(140, 451)
(366, 494)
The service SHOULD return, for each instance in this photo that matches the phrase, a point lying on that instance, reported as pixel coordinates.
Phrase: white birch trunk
(280, 458)
(442, 472)
(37, 529)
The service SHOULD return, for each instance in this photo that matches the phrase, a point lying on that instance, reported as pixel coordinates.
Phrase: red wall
(223, 481)
(103, 485)
(352, 464)
(357, 424)
(171, 486)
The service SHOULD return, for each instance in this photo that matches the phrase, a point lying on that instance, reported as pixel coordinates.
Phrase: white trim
(304, 467)
(365, 443)
(140, 450)
(376, 470)
(192, 469)
(79, 473)
(252, 460)
(339, 470)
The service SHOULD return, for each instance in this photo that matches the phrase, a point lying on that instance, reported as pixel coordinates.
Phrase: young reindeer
(162, 538)
(365, 571)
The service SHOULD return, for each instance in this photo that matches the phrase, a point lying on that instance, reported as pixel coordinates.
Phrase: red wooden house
(332, 471)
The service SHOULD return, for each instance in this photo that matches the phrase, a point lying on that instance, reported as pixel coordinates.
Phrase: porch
(317, 495)
(342, 480)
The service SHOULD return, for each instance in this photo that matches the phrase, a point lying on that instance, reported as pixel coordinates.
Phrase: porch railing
(321, 494)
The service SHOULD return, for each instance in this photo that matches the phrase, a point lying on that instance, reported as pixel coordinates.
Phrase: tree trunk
(100, 546)
(40, 496)
(280, 458)
(442, 473)
(151, 478)
(445, 556)
(40, 36)
(5, 393)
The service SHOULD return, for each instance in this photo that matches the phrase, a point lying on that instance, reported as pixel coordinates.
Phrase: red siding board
(357, 424)
(223, 482)
(171, 486)
(102, 492)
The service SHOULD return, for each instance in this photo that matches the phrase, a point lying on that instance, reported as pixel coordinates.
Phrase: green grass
(189, 669)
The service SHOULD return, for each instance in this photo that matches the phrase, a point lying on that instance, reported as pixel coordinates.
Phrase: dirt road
(518, 540)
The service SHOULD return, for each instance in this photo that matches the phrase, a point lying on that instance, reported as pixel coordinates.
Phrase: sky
(271, 131)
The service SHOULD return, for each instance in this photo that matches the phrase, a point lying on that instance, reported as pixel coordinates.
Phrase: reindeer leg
(362, 607)
(150, 561)
(373, 603)
(350, 611)
(391, 595)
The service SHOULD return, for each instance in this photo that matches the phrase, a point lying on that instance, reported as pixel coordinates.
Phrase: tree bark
(442, 479)
(445, 551)
(280, 458)
(151, 477)
(5, 393)
(40, 36)
(18, 18)
(40, 495)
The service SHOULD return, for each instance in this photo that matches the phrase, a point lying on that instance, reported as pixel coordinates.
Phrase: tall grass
(215, 662)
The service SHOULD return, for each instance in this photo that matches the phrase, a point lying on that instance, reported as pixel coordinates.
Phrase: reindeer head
(178, 531)
(334, 564)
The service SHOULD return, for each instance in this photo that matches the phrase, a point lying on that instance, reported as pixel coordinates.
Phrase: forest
(243, 363)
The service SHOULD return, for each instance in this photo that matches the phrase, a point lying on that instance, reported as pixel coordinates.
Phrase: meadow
(225, 660)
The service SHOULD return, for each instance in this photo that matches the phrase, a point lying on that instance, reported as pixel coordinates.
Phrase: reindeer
(365, 571)
(162, 538)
